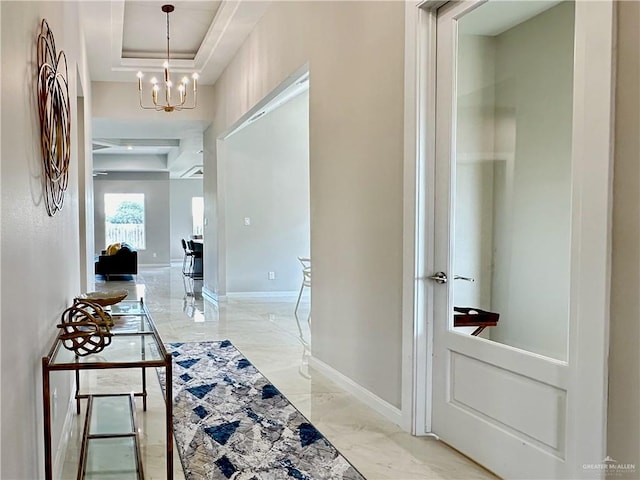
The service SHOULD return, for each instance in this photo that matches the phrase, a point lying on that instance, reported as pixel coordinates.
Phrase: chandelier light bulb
(139, 75)
(167, 84)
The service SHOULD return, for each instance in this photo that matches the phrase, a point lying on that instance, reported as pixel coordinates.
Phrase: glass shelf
(110, 444)
(111, 458)
(111, 414)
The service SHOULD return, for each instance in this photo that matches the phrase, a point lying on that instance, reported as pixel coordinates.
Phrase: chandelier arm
(155, 106)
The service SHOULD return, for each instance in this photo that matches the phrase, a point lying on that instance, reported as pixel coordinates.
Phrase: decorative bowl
(104, 298)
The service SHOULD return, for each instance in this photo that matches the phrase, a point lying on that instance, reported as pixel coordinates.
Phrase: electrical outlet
(272, 275)
(247, 221)
(155, 254)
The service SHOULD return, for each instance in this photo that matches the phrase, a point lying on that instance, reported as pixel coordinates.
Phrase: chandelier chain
(168, 37)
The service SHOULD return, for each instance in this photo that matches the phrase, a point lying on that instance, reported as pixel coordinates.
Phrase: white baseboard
(292, 293)
(384, 408)
(209, 295)
(63, 444)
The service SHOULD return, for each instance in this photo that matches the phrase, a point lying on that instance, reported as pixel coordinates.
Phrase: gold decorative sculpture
(55, 118)
(104, 299)
(85, 328)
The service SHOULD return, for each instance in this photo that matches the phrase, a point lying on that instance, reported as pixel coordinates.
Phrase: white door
(522, 182)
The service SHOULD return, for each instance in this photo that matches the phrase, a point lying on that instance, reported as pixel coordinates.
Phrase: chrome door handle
(439, 277)
(466, 279)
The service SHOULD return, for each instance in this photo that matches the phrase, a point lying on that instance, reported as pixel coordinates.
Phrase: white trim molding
(210, 296)
(282, 294)
(419, 143)
(410, 168)
(381, 406)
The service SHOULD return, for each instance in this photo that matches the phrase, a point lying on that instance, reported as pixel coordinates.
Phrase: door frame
(590, 295)
(418, 213)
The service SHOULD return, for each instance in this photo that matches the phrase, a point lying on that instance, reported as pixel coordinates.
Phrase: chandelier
(168, 86)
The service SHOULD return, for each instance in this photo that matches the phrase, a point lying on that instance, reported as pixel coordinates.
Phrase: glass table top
(127, 307)
(123, 349)
(130, 324)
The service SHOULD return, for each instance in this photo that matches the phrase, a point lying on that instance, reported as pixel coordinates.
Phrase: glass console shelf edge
(133, 324)
(125, 348)
(127, 307)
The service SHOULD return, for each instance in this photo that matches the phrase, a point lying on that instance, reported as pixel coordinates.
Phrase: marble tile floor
(266, 331)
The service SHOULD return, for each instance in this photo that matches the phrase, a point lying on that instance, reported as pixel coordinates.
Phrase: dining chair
(306, 279)
(188, 258)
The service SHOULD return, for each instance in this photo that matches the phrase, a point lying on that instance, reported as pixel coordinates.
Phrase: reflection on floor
(269, 335)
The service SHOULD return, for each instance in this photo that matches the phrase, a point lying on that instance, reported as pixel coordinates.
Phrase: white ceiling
(126, 36)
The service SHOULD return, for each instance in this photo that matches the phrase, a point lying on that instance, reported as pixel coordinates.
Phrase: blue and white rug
(230, 422)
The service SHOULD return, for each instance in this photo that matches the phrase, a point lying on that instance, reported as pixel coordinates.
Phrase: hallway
(266, 331)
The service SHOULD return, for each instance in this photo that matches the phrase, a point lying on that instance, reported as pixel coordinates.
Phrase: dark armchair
(123, 262)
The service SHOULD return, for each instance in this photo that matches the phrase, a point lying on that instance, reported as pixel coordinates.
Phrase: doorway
(265, 219)
(517, 232)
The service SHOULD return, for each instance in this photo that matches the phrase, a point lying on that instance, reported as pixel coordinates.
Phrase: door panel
(474, 384)
(509, 169)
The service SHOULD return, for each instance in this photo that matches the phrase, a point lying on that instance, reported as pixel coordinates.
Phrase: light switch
(247, 221)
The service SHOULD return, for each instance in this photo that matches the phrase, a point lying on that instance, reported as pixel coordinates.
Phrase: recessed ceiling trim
(117, 29)
(223, 29)
(215, 34)
(138, 142)
(221, 22)
(153, 65)
(157, 55)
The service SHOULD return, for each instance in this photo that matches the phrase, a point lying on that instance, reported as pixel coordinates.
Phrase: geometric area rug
(230, 422)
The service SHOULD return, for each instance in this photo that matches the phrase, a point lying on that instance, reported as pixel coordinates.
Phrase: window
(124, 219)
(197, 215)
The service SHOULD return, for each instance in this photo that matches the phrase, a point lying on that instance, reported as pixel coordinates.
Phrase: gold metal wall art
(55, 118)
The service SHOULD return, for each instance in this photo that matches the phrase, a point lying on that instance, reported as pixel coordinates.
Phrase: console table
(135, 344)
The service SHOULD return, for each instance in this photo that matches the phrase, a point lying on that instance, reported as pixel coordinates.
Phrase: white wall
(267, 180)
(120, 100)
(180, 194)
(39, 254)
(155, 187)
(355, 53)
